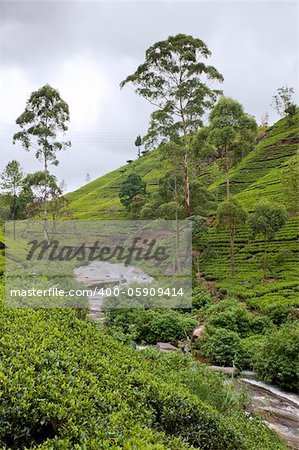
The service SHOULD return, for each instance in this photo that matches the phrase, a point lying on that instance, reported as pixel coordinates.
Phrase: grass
(99, 199)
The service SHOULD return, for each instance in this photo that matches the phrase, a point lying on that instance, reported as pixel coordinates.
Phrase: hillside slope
(99, 199)
(260, 175)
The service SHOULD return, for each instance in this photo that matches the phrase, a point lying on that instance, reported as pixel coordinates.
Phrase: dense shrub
(153, 325)
(65, 384)
(249, 349)
(233, 315)
(279, 313)
(220, 346)
(200, 299)
(277, 360)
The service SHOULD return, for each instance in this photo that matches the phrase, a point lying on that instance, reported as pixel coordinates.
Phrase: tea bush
(152, 325)
(65, 384)
(277, 360)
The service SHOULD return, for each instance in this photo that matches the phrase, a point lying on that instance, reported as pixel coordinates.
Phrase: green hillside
(259, 174)
(271, 301)
(99, 199)
(262, 172)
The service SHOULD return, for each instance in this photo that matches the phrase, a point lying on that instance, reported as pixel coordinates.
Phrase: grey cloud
(255, 46)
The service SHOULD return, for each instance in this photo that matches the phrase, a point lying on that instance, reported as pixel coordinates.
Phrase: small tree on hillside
(265, 120)
(232, 132)
(133, 186)
(282, 102)
(176, 81)
(138, 143)
(34, 190)
(231, 215)
(267, 219)
(46, 116)
(11, 181)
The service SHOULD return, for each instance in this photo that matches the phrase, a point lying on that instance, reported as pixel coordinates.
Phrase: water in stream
(280, 409)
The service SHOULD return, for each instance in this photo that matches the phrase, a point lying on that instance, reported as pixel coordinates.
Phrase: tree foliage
(232, 132)
(277, 360)
(282, 101)
(45, 116)
(267, 219)
(175, 80)
(34, 186)
(44, 119)
(11, 181)
(138, 143)
(231, 215)
(133, 186)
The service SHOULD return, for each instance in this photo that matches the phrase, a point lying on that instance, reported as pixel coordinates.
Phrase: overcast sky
(85, 49)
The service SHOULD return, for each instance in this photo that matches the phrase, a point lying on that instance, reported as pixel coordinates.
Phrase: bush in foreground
(277, 360)
(65, 384)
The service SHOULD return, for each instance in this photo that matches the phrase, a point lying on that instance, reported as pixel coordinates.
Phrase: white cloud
(14, 88)
(84, 86)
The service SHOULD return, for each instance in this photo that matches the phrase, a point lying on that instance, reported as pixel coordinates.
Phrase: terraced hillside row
(261, 173)
(248, 284)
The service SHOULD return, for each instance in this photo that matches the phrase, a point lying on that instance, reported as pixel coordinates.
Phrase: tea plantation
(67, 383)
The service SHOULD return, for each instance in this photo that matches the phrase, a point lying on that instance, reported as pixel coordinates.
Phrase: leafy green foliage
(46, 116)
(175, 80)
(132, 187)
(267, 219)
(34, 186)
(153, 325)
(232, 132)
(282, 101)
(277, 360)
(138, 143)
(67, 384)
(221, 346)
(230, 214)
(11, 181)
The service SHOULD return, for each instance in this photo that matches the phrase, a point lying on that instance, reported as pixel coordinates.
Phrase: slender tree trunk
(265, 264)
(187, 186)
(45, 202)
(186, 163)
(227, 188)
(227, 176)
(14, 212)
(232, 250)
(178, 266)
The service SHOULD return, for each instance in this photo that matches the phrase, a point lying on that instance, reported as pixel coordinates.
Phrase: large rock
(232, 371)
(198, 332)
(166, 347)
